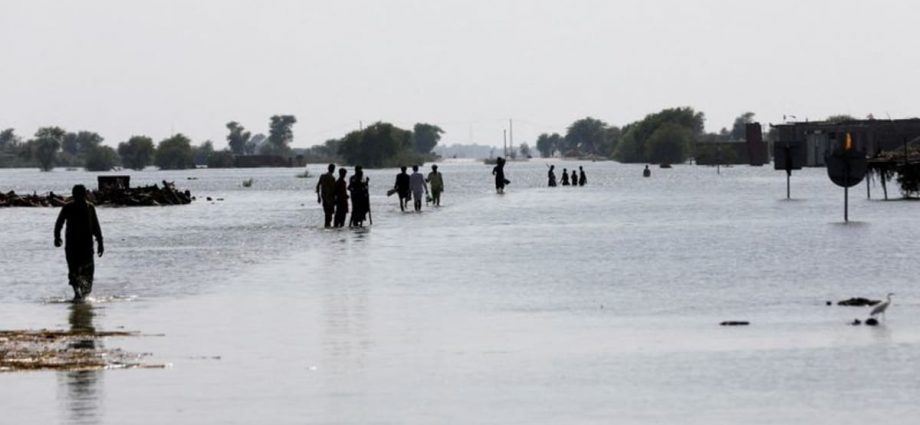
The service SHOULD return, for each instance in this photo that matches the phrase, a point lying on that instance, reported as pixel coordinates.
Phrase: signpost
(846, 167)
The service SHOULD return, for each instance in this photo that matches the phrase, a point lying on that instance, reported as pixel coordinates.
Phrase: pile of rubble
(111, 196)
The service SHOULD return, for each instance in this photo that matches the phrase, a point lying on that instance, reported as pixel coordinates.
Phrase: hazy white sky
(123, 67)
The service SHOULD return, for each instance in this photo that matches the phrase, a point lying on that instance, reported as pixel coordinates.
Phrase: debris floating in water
(22, 350)
(734, 323)
(858, 302)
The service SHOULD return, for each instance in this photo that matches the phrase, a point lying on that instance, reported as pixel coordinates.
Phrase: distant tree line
(54, 146)
(380, 145)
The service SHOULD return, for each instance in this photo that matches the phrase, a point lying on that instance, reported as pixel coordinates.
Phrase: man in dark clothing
(582, 179)
(341, 199)
(82, 226)
(402, 187)
(325, 194)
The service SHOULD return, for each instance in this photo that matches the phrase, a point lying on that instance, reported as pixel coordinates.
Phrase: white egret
(880, 309)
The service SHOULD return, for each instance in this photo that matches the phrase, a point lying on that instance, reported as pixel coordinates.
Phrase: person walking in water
(402, 188)
(360, 197)
(437, 185)
(325, 194)
(418, 186)
(499, 173)
(565, 177)
(82, 226)
(646, 172)
(552, 176)
(574, 178)
(341, 199)
(582, 179)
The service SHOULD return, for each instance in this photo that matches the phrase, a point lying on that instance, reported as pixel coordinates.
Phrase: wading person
(360, 197)
(551, 175)
(646, 172)
(325, 194)
(437, 185)
(418, 186)
(582, 179)
(402, 188)
(499, 173)
(565, 177)
(82, 227)
(574, 178)
(341, 199)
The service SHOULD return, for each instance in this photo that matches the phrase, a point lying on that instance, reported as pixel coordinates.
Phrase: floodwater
(591, 305)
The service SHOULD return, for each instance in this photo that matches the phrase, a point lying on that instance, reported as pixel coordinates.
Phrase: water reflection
(79, 390)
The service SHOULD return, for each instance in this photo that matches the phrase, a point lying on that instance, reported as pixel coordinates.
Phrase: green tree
(137, 152)
(739, 128)
(45, 146)
(668, 144)
(280, 135)
(238, 137)
(9, 139)
(525, 150)
(376, 145)
(549, 144)
(101, 158)
(175, 153)
(631, 147)
(254, 142)
(80, 143)
(425, 137)
(586, 136)
(203, 152)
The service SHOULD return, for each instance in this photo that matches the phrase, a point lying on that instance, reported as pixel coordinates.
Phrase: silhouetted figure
(436, 180)
(418, 186)
(499, 173)
(82, 226)
(341, 199)
(574, 178)
(551, 175)
(360, 197)
(402, 188)
(325, 194)
(582, 179)
(565, 177)
(646, 172)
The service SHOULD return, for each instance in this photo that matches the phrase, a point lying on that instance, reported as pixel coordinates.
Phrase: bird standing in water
(881, 308)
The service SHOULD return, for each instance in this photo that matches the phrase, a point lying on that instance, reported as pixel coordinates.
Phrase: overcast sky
(124, 67)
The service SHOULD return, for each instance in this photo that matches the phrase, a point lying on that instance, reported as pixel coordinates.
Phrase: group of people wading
(578, 177)
(414, 186)
(334, 194)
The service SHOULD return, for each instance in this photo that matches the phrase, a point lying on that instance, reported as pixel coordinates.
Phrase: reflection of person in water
(325, 194)
(418, 186)
(565, 177)
(360, 197)
(341, 199)
(437, 185)
(582, 179)
(499, 173)
(552, 176)
(82, 225)
(402, 188)
(81, 386)
(574, 178)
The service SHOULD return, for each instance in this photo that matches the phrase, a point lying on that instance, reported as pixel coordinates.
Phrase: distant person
(582, 179)
(551, 175)
(82, 226)
(341, 199)
(499, 173)
(574, 178)
(325, 194)
(646, 172)
(360, 197)
(436, 180)
(402, 188)
(418, 186)
(565, 177)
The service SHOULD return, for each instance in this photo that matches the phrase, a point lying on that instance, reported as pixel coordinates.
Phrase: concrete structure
(870, 136)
